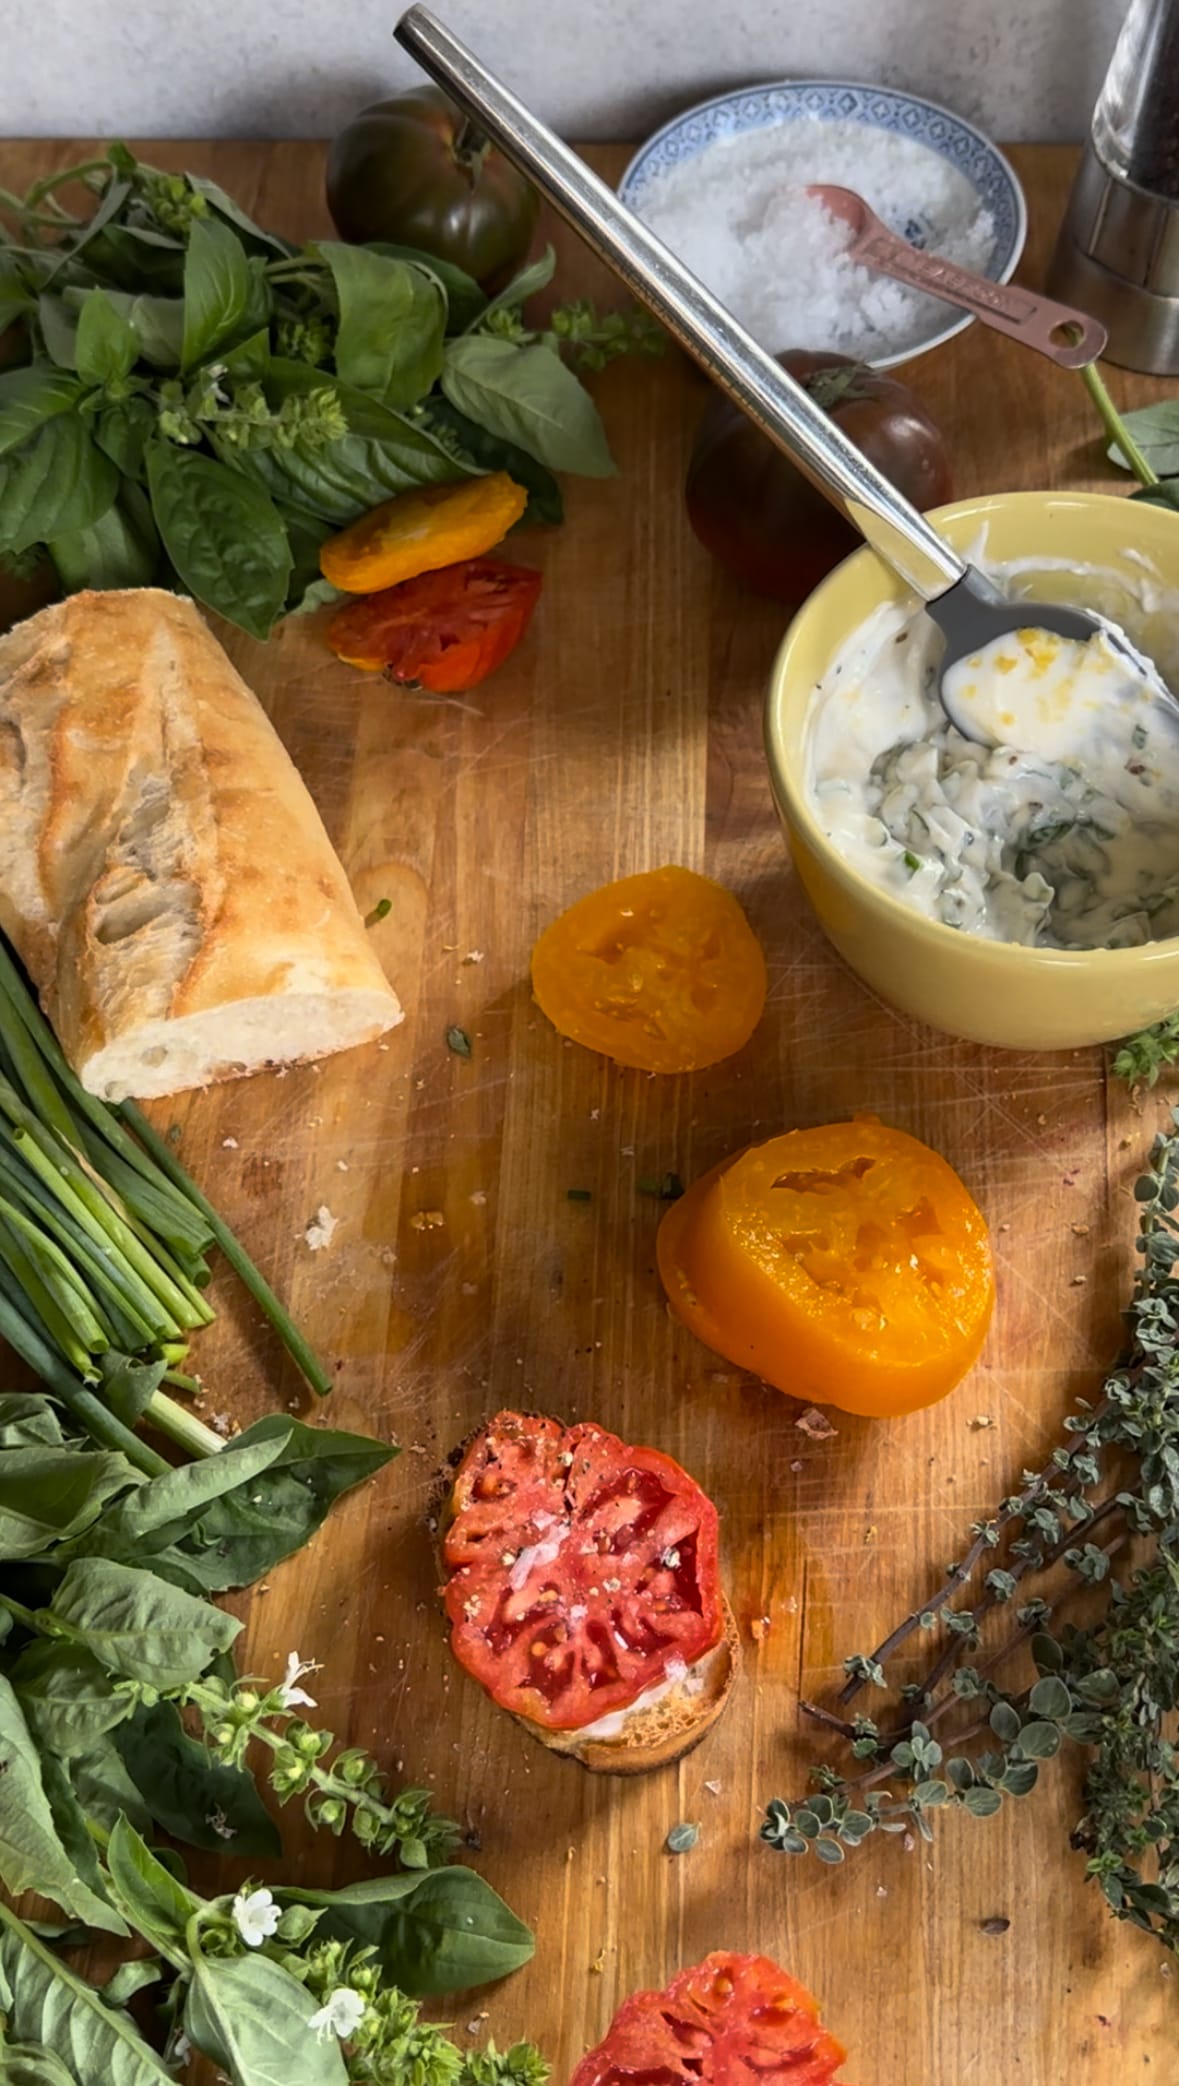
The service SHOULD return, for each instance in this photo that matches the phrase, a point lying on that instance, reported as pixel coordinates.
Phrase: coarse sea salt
(738, 214)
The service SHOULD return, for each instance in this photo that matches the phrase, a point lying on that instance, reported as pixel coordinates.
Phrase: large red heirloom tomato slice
(581, 1571)
(728, 2021)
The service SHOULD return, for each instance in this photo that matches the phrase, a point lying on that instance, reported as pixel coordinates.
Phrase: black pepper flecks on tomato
(413, 171)
(581, 1571)
(757, 513)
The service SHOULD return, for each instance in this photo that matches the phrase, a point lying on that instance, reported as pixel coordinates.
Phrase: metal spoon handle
(729, 355)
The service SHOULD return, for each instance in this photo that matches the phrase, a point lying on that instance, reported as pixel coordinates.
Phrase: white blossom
(255, 1915)
(290, 1695)
(342, 2015)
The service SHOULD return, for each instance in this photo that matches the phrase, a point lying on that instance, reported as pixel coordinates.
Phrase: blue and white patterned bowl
(877, 108)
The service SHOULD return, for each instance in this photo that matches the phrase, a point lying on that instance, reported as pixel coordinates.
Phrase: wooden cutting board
(461, 1278)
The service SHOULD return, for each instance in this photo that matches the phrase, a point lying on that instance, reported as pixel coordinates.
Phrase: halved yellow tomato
(847, 1265)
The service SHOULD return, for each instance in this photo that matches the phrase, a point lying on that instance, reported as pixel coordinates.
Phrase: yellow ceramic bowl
(989, 992)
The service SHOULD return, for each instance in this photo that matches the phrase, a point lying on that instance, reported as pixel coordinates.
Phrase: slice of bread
(651, 1733)
(664, 1731)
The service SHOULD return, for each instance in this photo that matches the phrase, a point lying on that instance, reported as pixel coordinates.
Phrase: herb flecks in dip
(1063, 834)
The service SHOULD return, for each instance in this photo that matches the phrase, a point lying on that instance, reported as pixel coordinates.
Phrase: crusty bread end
(164, 875)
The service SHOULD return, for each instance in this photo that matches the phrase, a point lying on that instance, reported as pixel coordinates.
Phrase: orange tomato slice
(660, 971)
(847, 1265)
(421, 531)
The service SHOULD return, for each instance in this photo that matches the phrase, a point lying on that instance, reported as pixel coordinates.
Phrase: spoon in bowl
(969, 609)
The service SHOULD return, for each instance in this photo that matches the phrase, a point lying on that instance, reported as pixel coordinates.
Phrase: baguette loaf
(164, 874)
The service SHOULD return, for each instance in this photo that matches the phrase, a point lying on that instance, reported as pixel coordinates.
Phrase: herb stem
(1115, 427)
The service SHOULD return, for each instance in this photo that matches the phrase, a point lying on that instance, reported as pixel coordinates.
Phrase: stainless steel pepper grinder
(1118, 251)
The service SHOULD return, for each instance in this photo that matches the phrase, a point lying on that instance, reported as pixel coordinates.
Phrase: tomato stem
(471, 146)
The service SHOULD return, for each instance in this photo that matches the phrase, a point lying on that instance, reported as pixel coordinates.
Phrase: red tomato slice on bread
(582, 1572)
(727, 2021)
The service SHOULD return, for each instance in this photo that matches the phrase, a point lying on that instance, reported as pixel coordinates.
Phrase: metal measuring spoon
(970, 610)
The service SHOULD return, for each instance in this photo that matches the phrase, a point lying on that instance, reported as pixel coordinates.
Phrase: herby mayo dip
(1064, 833)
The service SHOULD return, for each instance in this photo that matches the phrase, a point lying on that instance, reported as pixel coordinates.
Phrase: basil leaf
(67, 1699)
(32, 1856)
(121, 550)
(222, 534)
(435, 1933)
(392, 322)
(535, 275)
(27, 1417)
(31, 2064)
(16, 298)
(50, 1494)
(88, 1893)
(217, 289)
(465, 300)
(49, 2005)
(138, 1626)
(109, 207)
(128, 1979)
(240, 1535)
(492, 453)
(1156, 431)
(136, 258)
(251, 2017)
(451, 1932)
(128, 1384)
(251, 357)
(233, 214)
(121, 432)
(58, 328)
(106, 347)
(1164, 494)
(29, 397)
(155, 1903)
(156, 322)
(190, 1795)
(105, 1789)
(529, 397)
(383, 454)
(169, 1505)
(58, 484)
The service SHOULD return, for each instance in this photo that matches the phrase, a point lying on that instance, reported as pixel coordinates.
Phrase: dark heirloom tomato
(727, 2021)
(412, 171)
(581, 1571)
(444, 630)
(755, 511)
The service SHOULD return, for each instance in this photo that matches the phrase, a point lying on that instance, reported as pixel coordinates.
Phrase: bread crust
(650, 1738)
(164, 873)
(664, 1733)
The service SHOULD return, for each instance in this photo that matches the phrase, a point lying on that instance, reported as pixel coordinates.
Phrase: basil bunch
(202, 403)
(106, 1626)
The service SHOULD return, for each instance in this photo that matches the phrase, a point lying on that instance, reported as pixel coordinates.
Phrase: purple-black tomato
(412, 171)
(758, 515)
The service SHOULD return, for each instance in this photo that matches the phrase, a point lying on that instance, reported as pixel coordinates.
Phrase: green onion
(103, 1239)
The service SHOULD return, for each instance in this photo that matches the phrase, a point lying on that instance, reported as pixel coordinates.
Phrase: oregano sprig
(971, 1732)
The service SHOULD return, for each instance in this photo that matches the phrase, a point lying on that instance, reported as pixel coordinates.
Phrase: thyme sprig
(971, 1731)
